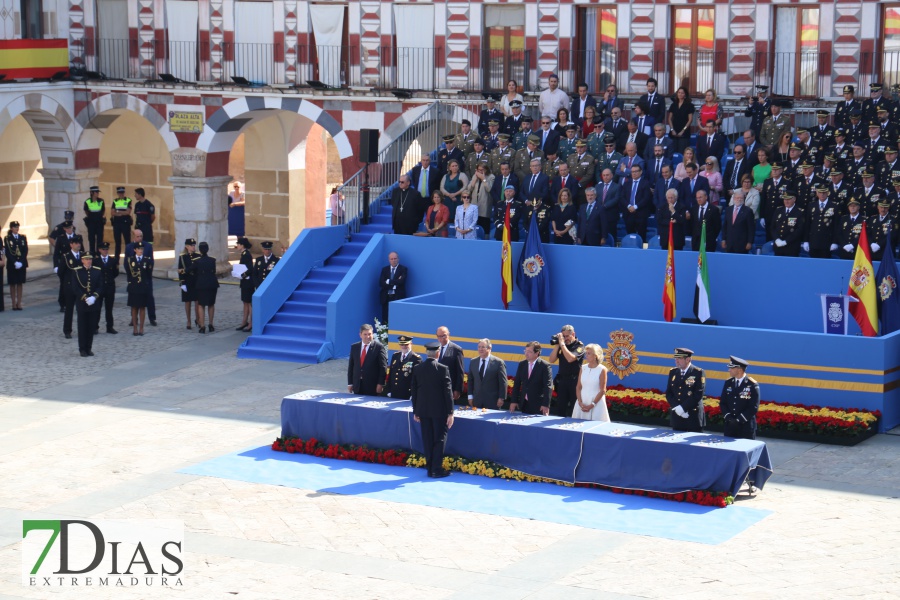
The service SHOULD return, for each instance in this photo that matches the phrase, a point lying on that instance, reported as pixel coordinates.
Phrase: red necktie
(362, 356)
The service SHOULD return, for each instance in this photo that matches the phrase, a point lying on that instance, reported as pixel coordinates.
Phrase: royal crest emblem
(533, 265)
(887, 287)
(621, 356)
(835, 312)
(860, 278)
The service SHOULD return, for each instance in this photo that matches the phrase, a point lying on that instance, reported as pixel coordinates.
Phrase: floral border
(314, 447)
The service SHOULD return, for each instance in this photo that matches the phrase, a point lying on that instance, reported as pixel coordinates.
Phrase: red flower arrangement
(314, 447)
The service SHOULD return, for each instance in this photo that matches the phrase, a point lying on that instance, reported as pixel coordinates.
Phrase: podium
(835, 313)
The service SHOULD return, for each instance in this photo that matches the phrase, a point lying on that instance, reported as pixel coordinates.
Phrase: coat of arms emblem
(621, 356)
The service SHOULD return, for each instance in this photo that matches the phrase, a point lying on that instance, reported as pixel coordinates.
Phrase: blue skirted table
(611, 454)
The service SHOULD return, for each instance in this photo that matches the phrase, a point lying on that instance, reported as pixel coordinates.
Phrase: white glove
(388, 394)
(805, 246)
(184, 289)
(387, 282)
(17, 265)
(780, 243)
(848, 248)
(681, 412)
(875, 247)
(56, 269)
(763, 223)
(833, 247)
(90, 300)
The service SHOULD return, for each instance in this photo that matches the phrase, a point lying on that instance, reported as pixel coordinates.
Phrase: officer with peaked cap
(684, 393)
(432, 402)
(400, 370)
(740, 401)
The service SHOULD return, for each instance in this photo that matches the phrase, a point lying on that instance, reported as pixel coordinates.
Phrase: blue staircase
(297, 331)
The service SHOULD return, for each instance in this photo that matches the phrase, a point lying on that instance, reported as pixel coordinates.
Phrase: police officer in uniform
(822, 134)
(570, 354)
(503, 152)
(838, 190)
(492, 137)
(448, 153)
(187, 277)
(758, 109)
(400, 370)
(515, 215)
(888, 169)
(121, 219)
(684, 393)
(432, 402)
(854, 167)
(881, 230)
(869, 194)
(849, 229)
(514, 122)
(842, 111)
(788, 225)
(69, 261)
(86, 287)
(144, 215)
(875, 101)
(842, 151)
(491, 113)
(477, 157)
(61, 247)
(94, 218)
(264, 263)
(856, 129)
(821, 233)
(739, 401)
(109, 268)
(59, 231)
(541, 210)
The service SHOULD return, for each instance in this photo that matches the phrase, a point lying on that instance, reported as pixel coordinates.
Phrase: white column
(201, 212)
(67, 189)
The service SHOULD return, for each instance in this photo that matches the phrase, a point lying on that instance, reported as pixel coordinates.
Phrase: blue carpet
(594, 509)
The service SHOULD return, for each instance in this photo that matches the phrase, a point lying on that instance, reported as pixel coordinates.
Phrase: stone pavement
(105, 437)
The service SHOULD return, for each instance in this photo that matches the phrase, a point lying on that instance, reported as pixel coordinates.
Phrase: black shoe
(68, 336)
(202, 330)
(90, 353)
(440, 474)
(111, 330)
(153, 323)
(211, 328)
(131, 324)
(83, 353)
(241, 328)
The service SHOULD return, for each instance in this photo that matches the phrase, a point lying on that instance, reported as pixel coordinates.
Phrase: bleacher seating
(632, 240)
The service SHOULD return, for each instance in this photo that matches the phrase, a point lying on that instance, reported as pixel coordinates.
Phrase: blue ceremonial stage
(612, 454)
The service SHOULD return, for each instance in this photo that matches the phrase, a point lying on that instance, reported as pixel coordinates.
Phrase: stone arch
(53, 127)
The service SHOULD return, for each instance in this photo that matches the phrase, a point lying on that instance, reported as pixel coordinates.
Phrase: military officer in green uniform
(520, 137)
(849, 229)
(121, 219)
(502, 153)
(581, 165)
(551, 165)
(477, 157)
(466, 137)
(773, 126)
(94, 218)
(881, 230)
(522, 162)
(684, 393)
(609, 158)
(567, 144)
(400, 370)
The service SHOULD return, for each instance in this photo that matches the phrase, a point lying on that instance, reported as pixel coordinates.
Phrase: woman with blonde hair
(712, 174)
(590, 393)
(710, 109)
(689, 157)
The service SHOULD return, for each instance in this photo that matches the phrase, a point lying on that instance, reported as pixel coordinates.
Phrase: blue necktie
(634, 186)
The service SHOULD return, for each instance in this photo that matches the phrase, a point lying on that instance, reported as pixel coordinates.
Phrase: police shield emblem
(621, 356)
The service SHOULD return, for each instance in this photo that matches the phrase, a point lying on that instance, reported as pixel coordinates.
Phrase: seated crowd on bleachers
(592, 177)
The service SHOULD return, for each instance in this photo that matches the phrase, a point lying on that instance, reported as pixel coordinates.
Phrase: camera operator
(570, 354)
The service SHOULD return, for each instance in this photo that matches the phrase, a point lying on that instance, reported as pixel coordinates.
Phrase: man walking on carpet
(432, 403)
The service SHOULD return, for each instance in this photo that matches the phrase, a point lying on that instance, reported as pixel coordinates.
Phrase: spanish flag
(33, 59)
(668, 296)
(506, 275)
(862, 288)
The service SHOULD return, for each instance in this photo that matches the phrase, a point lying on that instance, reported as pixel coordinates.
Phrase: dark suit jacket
(610, 207)
(679, 225)
(206, 273)
(590, 229)
(719, 145)
(541, 188)
(650, 171)
(605, 107)
(485, 392)
(659, 191)
(434, 178)
(640, 140)
(364, 378)
(621, 126)
(684, 193)
(713, 218)
(744, 169)
(407, 221)
(575, 109)
(556, 185)
(430, 390)
(647, 123)
(742, 232)
(665, 143)
(453, 358)
(386, 283)
(537, 388)
(643, 198)
(657, 107)
(551, 146)
(497, 189)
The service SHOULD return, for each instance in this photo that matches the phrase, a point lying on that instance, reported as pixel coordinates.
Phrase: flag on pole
(506, 277)
(862, 288)
(532, 276)
(701, 292)
(888, 300)
(668, 297)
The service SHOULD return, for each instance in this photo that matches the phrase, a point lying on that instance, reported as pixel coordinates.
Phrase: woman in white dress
(590, 393)
(466, 218)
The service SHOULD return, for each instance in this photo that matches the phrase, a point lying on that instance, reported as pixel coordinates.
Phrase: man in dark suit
(563, 180)
(608, 192)
(535, 184)
(110, 270)
(392, 282)
(505, 178)
(644, 123)
(656, 163)
(533, 383)
(659, 139)
(713, 143)
(610, 103)
(740, 226)
(684, 393)
(487, 378)
(654, 101)
(636, 202)
(665, 182)
(704, 211)
(407, 206)
(631, 135)
(425, 184)
(549, 143)
(581, 102)
(367, 366)
(618, 127)
(451, 355)
(432, 408)
(691, 184)
(751, 149)
(672, 211)
(735, 171)
(399, 381)
(590, 229)
(450, 152)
